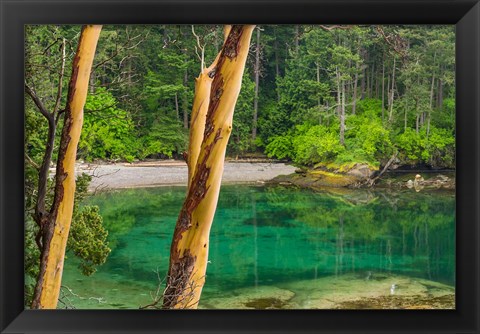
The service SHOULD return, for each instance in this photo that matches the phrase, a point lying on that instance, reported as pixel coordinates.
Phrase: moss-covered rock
(329, 175)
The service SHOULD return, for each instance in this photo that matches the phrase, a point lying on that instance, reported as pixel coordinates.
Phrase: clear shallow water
(273, 241)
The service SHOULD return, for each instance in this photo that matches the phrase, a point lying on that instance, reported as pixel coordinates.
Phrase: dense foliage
(325, 94)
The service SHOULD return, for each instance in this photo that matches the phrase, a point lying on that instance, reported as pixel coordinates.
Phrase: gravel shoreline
(171, 172)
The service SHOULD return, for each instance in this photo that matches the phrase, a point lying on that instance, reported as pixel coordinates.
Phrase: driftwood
(372, 181)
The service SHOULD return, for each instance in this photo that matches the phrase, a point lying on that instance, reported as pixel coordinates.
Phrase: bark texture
(216, 93)
(56, 225)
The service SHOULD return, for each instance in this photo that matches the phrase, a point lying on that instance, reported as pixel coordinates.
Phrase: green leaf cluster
(88, 239)
(108, 131)
(436, 149)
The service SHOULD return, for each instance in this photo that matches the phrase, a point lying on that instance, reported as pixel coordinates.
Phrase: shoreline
(164, 173)
(173, 173)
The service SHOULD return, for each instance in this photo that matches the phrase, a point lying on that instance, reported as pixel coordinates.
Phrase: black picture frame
(465, 14)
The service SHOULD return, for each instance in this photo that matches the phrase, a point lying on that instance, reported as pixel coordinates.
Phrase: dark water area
(268, 238)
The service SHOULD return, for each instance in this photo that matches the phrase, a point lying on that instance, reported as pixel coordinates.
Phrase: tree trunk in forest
(367, 89)
(339, 103)
(383, 91)
(56, 223)
(430, 109)
(431, 97)
(319, 100)
(390, 113)
(364, 73)
(348, 84)
(440, 94)
(177, 110)
(342, 114)
(339, 93)
(372, 73)
(257, 80)
(277, 62)
(355, 84)
(216, 93)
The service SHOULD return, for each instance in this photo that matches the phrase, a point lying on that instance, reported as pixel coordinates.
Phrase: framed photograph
(239, 166)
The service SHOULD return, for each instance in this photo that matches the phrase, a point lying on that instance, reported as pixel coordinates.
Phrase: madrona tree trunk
(55, 224)
(216, 93)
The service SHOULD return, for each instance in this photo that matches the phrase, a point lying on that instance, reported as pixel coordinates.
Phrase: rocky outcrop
(322, 176)
(435, 182)
(360, 176)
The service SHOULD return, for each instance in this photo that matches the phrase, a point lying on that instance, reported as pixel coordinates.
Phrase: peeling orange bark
(201, 100)
(56, 226)
(216, 94)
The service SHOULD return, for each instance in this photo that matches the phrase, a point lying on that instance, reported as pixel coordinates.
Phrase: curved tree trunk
(216, 93)
(55, 228)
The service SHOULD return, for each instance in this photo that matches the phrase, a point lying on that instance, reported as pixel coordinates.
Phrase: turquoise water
(270, 240)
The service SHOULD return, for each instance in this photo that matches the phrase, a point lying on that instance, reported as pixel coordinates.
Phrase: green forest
(310, 94)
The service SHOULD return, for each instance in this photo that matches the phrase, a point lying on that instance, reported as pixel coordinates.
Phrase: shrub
(280, 147)
(438, 148)
(368, 137)
(317, 144)
(108, 132)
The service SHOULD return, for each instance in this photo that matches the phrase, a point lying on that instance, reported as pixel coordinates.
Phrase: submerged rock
(259, 298)
(371, 290)
(365, 290)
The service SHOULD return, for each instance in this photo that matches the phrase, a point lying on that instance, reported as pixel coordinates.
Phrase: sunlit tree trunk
(56, 225)
(216, 93)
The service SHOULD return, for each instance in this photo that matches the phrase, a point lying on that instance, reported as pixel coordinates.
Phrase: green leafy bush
(436, 149)
(165, 138)
(372, 106)
(108, 132)
(88, 239)
(315, 144)
(280, 147)
(368, 137)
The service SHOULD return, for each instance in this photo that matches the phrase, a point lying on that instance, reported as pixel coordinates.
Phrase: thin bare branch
(333, 27)
(395, 41)
(38, 102)
(202, 49)
(31, 162)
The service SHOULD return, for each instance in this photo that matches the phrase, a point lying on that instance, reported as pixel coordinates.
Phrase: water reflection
(274, 235)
